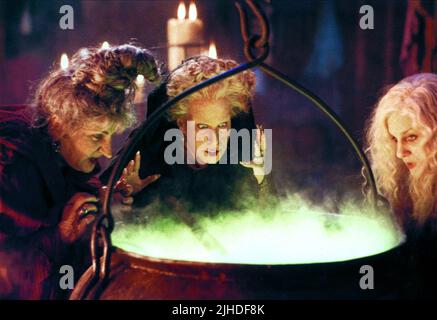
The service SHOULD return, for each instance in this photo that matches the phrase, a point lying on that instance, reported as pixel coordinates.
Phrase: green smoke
(291, 233)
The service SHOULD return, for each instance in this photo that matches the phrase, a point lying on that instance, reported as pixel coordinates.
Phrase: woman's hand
(257, 164)
(121, 196)
(75, 216)
(132, 177)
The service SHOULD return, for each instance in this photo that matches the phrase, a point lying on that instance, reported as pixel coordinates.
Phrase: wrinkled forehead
(102, 124)
(209, 110)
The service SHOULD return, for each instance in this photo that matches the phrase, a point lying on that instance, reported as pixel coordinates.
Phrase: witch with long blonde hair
(402, 146)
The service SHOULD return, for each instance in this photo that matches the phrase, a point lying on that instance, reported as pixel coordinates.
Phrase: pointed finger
(247, 164)
(137, 161)
(128, 168)
(150, 179)
(118, 185)
(131, 166)
(257, 148)
(124, 174)
(263, 142)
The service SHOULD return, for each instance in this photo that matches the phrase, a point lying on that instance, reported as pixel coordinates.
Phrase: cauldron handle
(259, 42)
(320, 104)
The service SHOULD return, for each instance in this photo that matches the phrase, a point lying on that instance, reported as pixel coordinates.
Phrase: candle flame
(181, 11)
(105, 45)
(212, 53)
(64, 61)
(140, 81)
(192, 12)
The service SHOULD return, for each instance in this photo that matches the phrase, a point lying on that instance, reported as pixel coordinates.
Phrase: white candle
(184, 34)
(183, 31)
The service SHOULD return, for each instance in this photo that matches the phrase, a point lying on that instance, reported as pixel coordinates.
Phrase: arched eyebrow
(98, 131)
(406, 131)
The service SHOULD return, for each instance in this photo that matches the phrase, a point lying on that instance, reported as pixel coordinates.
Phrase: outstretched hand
(257, 164)
(132, 177)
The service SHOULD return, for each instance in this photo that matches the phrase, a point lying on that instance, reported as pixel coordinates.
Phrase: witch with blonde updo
(202, 181)
(49, 155)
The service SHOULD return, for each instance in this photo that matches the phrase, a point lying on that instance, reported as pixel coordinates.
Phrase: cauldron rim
(225, 265)
(401, 241)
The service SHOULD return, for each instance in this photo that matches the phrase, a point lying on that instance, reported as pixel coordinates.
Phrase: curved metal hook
(254, 41)
(320, 104)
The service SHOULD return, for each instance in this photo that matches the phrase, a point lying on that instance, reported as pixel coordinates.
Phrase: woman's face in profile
(211, 120)
(409, 138)
(84, 146)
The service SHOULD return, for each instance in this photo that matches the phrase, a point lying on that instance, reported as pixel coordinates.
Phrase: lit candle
(105, 45)
(64, 61)
(182, 12)
(212, 52)
(184, 36)
(192, 12)
(140, 82)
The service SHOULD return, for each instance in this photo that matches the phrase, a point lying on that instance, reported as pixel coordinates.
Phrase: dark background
(317, 42)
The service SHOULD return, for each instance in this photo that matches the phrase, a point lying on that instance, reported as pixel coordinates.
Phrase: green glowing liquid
(293, 234)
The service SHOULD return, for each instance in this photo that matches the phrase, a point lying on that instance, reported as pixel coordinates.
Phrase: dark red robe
(35, 184)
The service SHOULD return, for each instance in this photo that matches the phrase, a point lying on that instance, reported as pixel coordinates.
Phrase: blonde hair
(98, 82)
(237, 89)
(410, 197)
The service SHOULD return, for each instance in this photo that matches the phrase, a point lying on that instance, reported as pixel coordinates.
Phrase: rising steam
(292, 232)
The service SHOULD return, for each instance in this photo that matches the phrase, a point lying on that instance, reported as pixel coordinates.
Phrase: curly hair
(98, 82)
(237, 89)
(410, 197)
